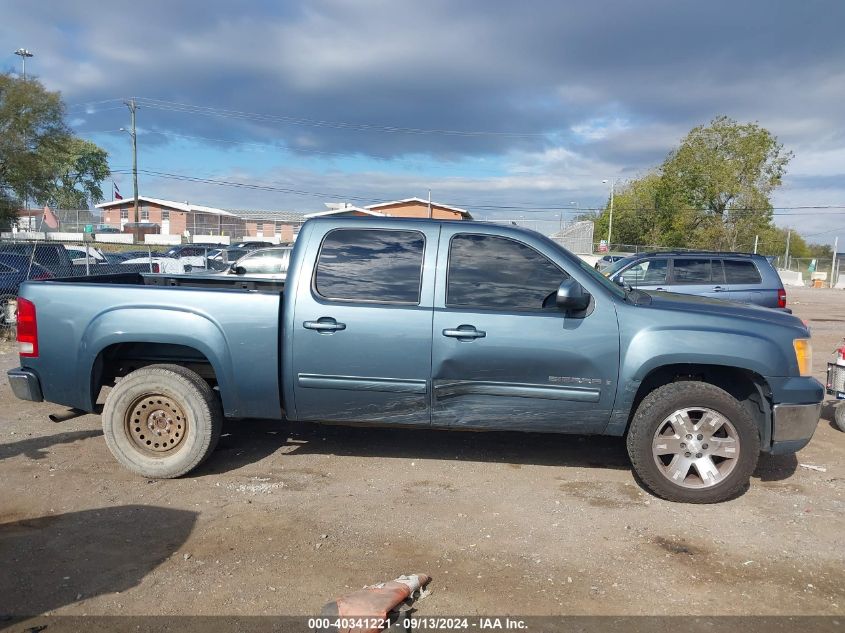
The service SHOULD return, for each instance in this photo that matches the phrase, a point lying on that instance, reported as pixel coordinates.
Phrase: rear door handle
(465, 332)
(658, 288)
(324, 324)
(718, 289)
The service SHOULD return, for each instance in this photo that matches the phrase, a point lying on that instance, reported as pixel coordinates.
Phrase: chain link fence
(23, 260)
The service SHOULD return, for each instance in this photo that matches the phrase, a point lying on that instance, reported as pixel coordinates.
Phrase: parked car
(50, 256)
(607, 260)
(158, 264)
(270, 263)
(252, 244)
(737, 277)
(231, 254)
(116, 258)
(193, 255)
(422, 323)
(79, 254)
(14, 270)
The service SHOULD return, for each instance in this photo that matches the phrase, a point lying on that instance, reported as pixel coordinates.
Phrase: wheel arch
(121, 338)
(745, 385)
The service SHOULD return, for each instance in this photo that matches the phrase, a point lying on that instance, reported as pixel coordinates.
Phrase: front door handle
(718, 289)
(464, 332)
(324, 324)
(658, 288)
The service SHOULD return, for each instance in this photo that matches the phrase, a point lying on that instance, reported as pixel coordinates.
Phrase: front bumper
(25, 384)
(793, 426)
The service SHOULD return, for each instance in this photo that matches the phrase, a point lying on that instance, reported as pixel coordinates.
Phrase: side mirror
(572, 296)
(238, 270)
(620, 280)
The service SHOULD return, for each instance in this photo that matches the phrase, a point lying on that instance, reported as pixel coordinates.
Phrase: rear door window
(738, 271)
(691, 270)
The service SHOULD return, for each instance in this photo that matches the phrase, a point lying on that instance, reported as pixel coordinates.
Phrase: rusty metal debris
(369, 610)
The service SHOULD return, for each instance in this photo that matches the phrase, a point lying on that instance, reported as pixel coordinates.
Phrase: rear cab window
(370, 266)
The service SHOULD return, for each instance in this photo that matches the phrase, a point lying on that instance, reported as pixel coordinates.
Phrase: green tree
(82, 167)
(639, 217)
(713, 191)
(40, 159)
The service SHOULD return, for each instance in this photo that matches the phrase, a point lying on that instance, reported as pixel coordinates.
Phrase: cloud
(585, 91)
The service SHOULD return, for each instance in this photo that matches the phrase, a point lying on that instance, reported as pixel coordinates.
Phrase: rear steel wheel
(156, 423)
(162, 421)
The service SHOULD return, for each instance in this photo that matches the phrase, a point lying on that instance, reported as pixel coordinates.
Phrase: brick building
(418, 208)
(407, 208)
(173, 218)
(282, 224)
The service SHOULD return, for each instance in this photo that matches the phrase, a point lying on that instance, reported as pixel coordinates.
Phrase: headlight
(804, 356)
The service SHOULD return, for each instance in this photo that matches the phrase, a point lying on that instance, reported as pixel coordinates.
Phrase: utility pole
(23, 54)
(786, 257)
(833, 261)
(132, 108)
(429, 204)
(756, 240)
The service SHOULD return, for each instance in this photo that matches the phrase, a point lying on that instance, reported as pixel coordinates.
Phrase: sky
(514, 110)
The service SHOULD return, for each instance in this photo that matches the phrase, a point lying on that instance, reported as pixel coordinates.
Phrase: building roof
(463, 212)
(344, 211)
(179, 206)
(270, 216)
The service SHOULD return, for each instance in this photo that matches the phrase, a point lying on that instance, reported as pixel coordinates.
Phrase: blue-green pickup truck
(421, 323)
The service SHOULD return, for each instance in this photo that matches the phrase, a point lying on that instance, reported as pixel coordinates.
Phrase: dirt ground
(284, 518)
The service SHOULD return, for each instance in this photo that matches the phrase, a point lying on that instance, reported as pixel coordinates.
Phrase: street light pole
(610, 221)
(23, 54)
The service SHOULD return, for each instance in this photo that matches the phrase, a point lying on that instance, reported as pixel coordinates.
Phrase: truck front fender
(658, 346)
(653, 348)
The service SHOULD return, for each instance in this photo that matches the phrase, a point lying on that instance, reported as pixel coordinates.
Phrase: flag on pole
(116, 193)
(49, 218)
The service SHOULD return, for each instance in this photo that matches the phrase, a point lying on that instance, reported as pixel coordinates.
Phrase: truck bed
(93, 326)
(133, 278)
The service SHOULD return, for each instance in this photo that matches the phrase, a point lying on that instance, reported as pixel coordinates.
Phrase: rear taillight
(781, 298)
(45, 275)
(27, 329)
(155, 267)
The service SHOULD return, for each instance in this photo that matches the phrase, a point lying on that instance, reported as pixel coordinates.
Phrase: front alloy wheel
(696, 447)
(693, 442)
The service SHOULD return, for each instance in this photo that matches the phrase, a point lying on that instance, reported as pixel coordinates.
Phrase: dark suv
(730, 276)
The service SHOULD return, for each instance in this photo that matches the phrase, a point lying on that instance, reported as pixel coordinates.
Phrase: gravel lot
(283, 518)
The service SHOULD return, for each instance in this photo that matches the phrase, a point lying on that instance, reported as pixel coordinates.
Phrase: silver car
(266, 263)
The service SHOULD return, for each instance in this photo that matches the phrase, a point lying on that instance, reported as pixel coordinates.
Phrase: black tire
(653, 413)
(839, 416)
(170, 396)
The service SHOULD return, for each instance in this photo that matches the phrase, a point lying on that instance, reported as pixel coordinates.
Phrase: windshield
(617, 265)
(614, 288)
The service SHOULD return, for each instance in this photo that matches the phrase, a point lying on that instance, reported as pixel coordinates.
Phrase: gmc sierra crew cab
(423, 323)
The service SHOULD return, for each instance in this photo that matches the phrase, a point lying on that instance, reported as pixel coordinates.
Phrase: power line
(273, 186)
(172, 106)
